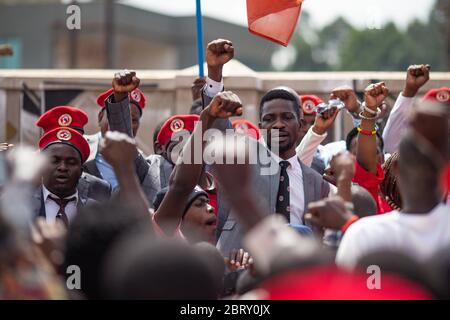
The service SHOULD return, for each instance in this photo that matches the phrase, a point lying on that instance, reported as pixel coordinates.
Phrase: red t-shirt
(371, 183)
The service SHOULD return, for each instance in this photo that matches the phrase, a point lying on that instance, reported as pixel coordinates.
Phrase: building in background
(141, 39)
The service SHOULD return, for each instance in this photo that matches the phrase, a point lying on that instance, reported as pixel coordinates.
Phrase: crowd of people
(93, 217)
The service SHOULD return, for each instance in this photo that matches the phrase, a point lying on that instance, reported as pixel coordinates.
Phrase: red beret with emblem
(63, 116)
(176, 124)
(309, 103)
(246, 127)
(68, 136)
(439, 94)
(136, 96)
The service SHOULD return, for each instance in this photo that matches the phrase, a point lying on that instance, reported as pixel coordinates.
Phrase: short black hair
(284, 93)
(354, 133)
(90, 236)
(160, 269)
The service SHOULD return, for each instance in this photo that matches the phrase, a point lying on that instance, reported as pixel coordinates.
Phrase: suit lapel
(308, 185)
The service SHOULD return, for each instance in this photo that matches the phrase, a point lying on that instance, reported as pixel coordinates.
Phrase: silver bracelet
(374, 112)
(370, 118)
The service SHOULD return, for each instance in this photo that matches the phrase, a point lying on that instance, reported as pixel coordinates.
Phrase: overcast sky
(358, 12)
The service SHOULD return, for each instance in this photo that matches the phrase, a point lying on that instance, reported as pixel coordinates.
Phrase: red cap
(68, 136)
(439, 94)
(309, 102)
(63, 116)
(136, 96)
(330, 283)
(176, 124)
(246, 127)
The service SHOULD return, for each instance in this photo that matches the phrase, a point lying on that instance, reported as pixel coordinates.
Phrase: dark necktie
(283, 199)
(62, 208)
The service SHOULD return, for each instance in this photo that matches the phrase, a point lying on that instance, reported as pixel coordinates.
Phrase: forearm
(130, 189)
(344, 188)
(366, 154)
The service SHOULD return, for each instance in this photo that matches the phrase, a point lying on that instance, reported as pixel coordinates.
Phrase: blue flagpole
(200, 59)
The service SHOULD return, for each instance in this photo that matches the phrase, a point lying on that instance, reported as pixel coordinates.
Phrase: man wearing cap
(123, 117)
(76, 119)
(58, 197)
(169, 139)
(121, 111)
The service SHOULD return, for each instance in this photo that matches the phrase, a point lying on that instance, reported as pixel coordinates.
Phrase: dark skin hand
(186, 174)
(63, 170)
(240, 191)
(329, 213)
(416, 77)
(196, 88)
(238, 259)
(347, 96)
(366, 154)
(218, 52)
(119, 150)
(123, 83)
(50, 239)
(343, 167)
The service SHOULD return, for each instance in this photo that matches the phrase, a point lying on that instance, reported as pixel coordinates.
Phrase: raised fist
(125, 81)
(374, 95)
(118, 149)
(219, 52)
(416, 77)
(224, 105)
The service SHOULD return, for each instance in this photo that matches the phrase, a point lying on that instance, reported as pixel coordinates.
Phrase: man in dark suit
(76, 119)
(58, 197)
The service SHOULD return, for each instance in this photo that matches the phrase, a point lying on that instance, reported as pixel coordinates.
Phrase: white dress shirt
(52, 208)
(296, 192)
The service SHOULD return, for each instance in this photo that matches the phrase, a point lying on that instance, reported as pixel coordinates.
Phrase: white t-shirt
(416, 235)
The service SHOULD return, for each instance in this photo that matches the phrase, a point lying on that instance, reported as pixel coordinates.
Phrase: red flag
(273, 19)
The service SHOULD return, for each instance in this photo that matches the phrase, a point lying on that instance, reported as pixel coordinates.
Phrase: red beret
(309, 102)
(438, 94)
(63, 116)
(246, 127)
(136, 96)
(67, 136)
(330, 283)
(175, 124)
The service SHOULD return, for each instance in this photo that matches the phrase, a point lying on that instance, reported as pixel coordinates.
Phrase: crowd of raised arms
(93, 217)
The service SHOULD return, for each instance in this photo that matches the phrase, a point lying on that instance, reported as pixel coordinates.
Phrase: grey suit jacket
(161, 169)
